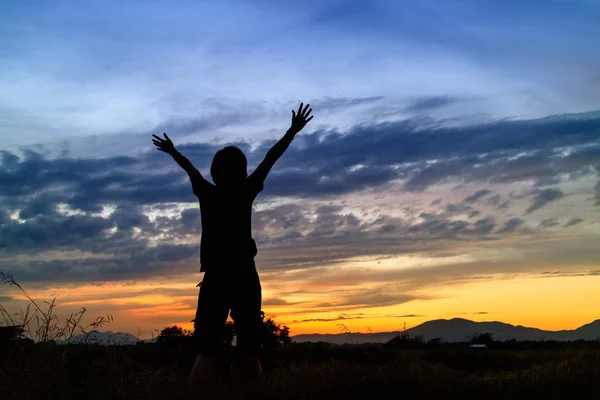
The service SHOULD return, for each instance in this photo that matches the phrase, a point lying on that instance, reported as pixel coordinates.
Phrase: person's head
(229, 166)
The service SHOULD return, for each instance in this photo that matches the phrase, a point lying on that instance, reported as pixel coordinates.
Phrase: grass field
(304, 372)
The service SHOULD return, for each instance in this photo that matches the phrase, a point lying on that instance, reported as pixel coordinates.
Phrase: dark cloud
(128, 217)
(560, 274)
(474, 313)
(549, 222)
(161, 260)
(543, 197)
(338, 102)
(518, 195)
(459, 209)
(438, 173)
(548, 180)
(483, 226)
(319, 164)
(325, 162)
(476, 196)
(498, 202)
(491, 152)
(375, 298)
(274, 301)
(536, 257)
(430, 103)
(573, 222)
(123, 245)
(345, 316)
(437, 226)
(511, 226)
(597, 193)
(46, 232)
(341, 317)
(190, 219)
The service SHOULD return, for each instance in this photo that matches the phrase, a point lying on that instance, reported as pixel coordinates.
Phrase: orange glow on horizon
(552, 303)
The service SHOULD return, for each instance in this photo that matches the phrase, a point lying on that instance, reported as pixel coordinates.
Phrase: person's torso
(227, 241)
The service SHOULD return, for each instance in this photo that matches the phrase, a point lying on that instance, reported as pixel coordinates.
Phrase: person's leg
(246, 313)
(209, 326)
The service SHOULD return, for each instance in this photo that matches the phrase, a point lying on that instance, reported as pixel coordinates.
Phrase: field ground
(305, 372)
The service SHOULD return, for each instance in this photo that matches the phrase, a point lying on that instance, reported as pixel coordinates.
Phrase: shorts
(240, 292)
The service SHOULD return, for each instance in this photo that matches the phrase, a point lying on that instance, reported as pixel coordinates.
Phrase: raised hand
(300, 119)
(163, 144)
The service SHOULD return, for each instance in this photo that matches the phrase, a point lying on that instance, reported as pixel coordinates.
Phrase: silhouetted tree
(482, 338)
(174, 335)
(284, 336)
(274, 335)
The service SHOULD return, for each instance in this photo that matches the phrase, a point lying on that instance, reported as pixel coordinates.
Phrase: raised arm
(167, 146)
(299, 121)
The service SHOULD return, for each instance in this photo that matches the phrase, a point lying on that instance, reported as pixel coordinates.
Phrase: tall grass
(40, 323)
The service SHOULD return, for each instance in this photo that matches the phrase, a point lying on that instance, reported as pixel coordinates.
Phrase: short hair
(229, 166)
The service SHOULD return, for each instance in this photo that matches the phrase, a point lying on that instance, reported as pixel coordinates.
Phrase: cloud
(437, 226)
(341, 317)
(511, 226)
(497, 202)
(430, 103)
(345, 316)
(475, 313)
(543, 197)
(559, 274)
(274, 301)
(476, 196)
(549, 222)
(339, 102)
(573, 222)
(409, 316)
(319, 165)
(127, 243)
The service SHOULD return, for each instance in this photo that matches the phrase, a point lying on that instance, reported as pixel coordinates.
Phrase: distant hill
(459, 330)
(105, 338)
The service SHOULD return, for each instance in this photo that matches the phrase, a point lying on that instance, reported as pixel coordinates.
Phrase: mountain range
(459, 330)
(448, 330)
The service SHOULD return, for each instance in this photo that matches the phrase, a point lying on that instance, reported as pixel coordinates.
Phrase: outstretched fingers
(304, 110)
(307, 113)
(302, 116)
(158, 138)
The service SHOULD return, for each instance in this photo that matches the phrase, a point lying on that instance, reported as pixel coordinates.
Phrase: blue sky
(440, 128)
(114, 67)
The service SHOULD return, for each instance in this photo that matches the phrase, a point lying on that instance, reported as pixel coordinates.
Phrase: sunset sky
(452, 168)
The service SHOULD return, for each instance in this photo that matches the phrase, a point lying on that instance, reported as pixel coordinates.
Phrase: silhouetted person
(227, 250)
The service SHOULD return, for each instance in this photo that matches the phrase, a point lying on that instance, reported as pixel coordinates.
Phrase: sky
(452, 168)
